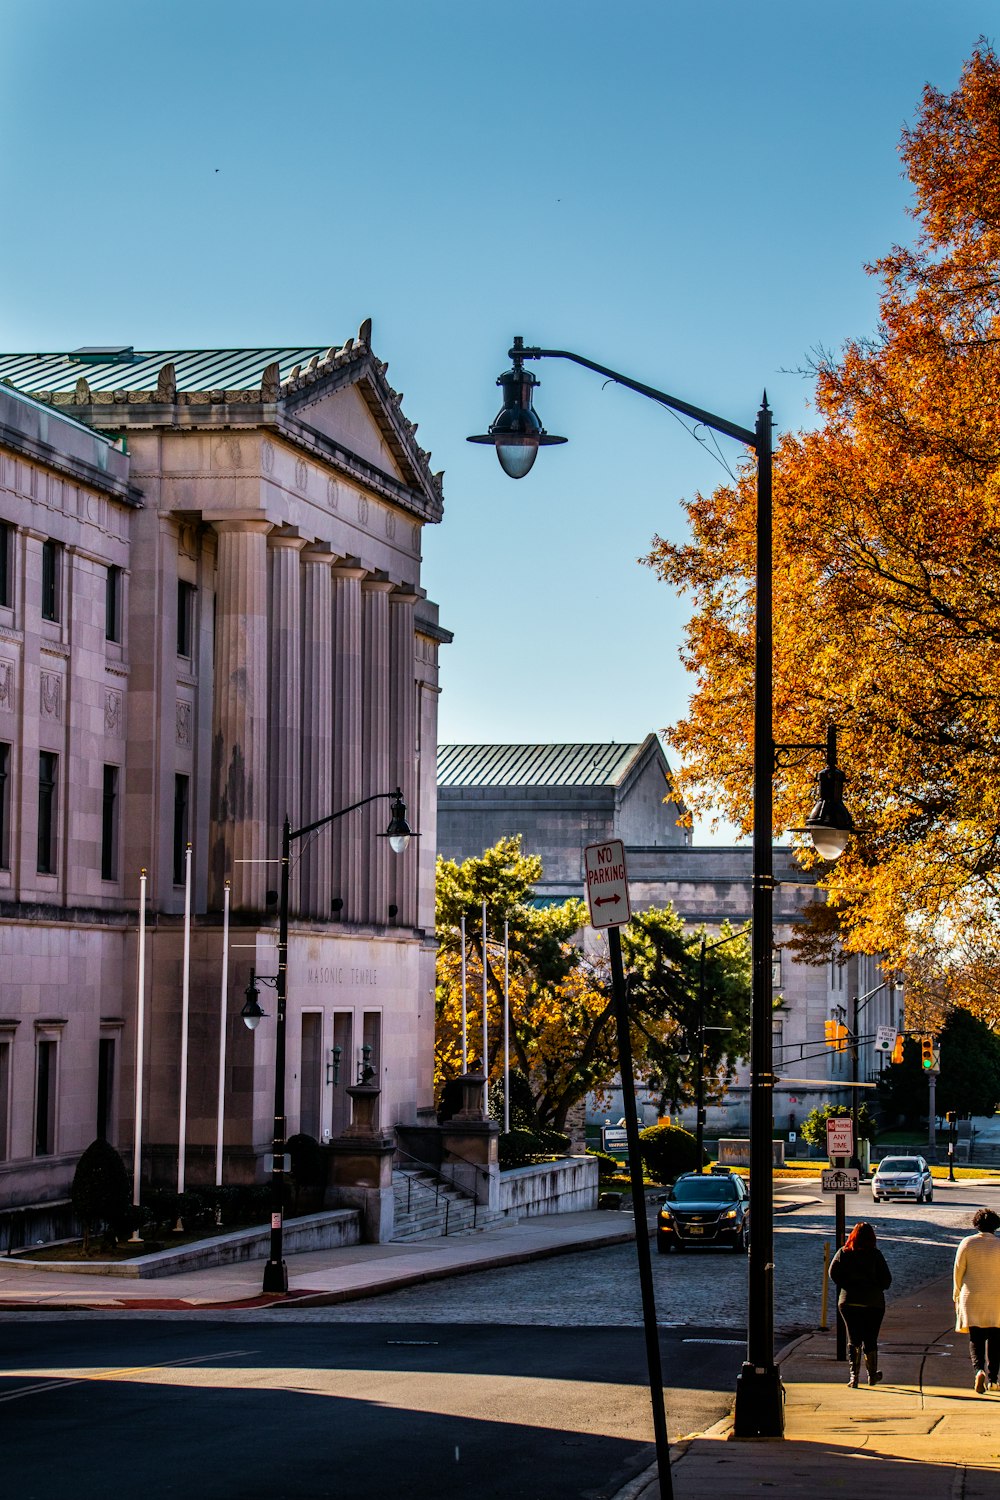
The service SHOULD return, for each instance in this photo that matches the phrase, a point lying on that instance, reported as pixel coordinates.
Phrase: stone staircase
(428, 1208)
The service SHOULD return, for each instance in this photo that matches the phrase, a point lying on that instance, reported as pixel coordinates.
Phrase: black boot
(871, 1360)
(854, 1363)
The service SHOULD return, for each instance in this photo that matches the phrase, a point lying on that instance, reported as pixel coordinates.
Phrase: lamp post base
(760, 1404)
(275, 1276)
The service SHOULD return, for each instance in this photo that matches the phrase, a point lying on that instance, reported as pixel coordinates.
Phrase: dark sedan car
(704, 1210)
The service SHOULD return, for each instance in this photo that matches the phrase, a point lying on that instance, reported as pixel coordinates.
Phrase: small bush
(520, 1148)
(667, 1151)
(607, 1166)
(101, 1193)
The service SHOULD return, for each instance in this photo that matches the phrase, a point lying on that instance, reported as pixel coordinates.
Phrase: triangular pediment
(345, 417)
(348, 401)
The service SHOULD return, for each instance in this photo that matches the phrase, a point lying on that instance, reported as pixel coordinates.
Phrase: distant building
(210, 617)
(561, 798)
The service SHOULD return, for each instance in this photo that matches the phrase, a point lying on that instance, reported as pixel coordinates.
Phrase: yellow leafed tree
(887, 581)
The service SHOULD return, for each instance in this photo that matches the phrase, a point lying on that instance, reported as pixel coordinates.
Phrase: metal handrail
(439, 1172)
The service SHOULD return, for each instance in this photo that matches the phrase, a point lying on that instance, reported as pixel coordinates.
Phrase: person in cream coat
(977, 1297)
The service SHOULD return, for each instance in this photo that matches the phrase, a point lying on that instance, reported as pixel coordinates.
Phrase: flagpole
(140, 1047)
(223, 997)
(185, 1010)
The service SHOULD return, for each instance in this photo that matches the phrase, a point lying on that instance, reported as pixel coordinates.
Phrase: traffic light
(897, 1051)
(951, 1117)
(835, 1035)
(927, 1052)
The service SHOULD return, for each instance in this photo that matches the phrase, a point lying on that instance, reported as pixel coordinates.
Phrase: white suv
(903, 1177)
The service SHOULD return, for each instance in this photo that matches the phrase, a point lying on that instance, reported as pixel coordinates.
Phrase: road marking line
(38, 1387)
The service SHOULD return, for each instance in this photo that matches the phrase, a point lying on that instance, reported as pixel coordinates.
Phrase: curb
(304, 1297)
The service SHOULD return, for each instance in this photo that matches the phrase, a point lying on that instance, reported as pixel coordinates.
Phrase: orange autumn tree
(562, 1032)
(886, 581)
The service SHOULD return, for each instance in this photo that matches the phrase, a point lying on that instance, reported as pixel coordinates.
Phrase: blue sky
(684, 192)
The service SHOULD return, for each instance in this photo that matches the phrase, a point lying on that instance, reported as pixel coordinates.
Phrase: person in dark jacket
(861, 1275)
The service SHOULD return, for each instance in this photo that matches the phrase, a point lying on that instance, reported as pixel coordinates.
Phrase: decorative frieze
(6, 686)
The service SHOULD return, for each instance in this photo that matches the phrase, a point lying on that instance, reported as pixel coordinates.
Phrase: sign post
(840, 1149)
(607, 897)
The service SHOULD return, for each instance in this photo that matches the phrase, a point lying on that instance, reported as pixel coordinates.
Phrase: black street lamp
(517, 434)
(399, 835)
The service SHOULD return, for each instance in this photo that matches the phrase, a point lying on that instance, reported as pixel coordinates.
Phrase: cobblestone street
(706, 1288)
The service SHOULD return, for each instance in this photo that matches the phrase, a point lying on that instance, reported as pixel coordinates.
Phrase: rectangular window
(311, 1073)
(109, 825)
(4, 806)
(113, 605)
(4, 1099)
(776, 968)
(185, 618)
(105, 1087)
(51, 569)
(45, 1098)
(6, 565)
(371, 1035)
(48, 770)
(180, 826)
(343, 1032)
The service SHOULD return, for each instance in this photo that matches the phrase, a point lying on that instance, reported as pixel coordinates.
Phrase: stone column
(239, 718)
(317, 731)
(284, 694)
(346, 883)
(402, 746)
(375, 745)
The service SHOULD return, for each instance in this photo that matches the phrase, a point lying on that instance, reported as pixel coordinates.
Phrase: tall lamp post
(398, 834)
(517, 434)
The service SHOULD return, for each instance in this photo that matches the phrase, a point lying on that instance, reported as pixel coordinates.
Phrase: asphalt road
(523, 1382)
(214, 1411)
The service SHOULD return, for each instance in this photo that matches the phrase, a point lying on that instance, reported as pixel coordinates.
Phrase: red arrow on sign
(607, 900)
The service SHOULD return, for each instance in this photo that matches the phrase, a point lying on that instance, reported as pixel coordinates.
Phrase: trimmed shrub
(521, 1148)
(101, 1193)
(667, 1151)
(607, 1166)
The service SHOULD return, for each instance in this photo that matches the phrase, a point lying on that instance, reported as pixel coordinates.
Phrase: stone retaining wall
(312, 1232)
(567, 1186)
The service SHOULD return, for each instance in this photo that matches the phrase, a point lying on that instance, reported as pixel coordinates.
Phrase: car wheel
(930, 1195)
(741, 1244)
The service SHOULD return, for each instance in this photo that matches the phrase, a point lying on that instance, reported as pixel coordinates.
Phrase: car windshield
(703, 1190)
(899, 1164)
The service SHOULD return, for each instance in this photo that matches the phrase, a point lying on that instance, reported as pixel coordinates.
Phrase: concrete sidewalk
(922, 1433)
(316, 1277)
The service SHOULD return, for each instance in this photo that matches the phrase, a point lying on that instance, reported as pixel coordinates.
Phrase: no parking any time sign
(607, 884)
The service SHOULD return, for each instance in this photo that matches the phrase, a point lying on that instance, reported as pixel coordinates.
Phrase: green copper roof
(114, 368)
(535, 765)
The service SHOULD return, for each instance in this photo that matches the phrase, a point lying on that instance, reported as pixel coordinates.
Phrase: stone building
(210, 618)
(562, 797)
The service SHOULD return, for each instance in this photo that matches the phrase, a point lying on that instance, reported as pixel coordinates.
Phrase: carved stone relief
(7, 686)
(187, 540)
(363, 509)
(301, 474)
(51, 696)
(113, 724)
(267, 456)
(183, 722)
(332, 494)
(390, 524)
(416, 537)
